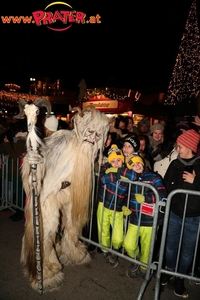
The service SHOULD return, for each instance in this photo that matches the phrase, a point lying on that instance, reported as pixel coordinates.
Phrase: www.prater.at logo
(57, 16)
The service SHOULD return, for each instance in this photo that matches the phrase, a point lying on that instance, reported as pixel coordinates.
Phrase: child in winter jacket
(141, 208)
(111, 196)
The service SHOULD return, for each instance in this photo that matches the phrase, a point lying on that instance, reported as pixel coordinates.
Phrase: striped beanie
(189, 139)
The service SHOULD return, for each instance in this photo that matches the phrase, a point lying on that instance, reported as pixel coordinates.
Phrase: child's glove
(113, 170)
(139, 198)
(126, 211)
(123, 178)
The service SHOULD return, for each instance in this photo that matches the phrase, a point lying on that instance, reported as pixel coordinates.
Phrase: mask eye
(98, 136)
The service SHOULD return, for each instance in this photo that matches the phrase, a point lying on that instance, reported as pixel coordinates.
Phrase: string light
(185, 80)
(14, 97)
(106, 93)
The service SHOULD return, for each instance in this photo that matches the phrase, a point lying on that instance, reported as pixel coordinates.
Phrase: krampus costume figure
(57, 175)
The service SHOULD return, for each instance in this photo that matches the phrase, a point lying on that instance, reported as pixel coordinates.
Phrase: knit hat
(182, 125)
(143, 121)
(157, 126)
(189, 139)
(115, 152)
(134, 141)
(51, 123)
(132, 159)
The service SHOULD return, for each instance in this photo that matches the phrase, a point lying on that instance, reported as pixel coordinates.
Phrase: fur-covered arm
(26, 173)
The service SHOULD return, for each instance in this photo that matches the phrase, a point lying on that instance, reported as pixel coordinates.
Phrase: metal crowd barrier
(151, 267)
(12, 197)
(11, 191)
(155, 267)
(161, 268)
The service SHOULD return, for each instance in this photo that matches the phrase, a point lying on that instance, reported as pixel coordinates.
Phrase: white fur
(64, 156)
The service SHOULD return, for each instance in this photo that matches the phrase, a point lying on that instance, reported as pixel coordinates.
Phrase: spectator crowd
(165, 156)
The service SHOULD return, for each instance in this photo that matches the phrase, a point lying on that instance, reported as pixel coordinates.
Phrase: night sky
(135, 46)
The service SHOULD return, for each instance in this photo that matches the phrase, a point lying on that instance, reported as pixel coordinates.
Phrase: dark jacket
(14, 151)
(110, 181)
(156, 181)
(173, 180)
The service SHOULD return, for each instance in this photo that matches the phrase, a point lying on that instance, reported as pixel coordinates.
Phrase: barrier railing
(161, 267)
(12, 197)
(151, 266)
(11, 194)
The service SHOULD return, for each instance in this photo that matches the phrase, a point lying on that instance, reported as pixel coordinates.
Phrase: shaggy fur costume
(64, 174)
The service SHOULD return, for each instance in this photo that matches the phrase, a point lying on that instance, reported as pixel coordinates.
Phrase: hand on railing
(139, 198)
(126, 211)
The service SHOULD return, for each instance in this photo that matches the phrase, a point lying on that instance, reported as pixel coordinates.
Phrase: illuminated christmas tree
(185, 80)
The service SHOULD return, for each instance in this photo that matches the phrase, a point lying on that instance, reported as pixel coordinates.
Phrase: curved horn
(91, 109)
(78, 110)
(44, 102)
(21, 104)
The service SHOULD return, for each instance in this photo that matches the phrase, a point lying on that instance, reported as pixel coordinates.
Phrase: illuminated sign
(102, 104)
(57, 16)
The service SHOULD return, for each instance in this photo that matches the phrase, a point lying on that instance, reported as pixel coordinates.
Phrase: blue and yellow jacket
(109, 181)
(156, 181)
